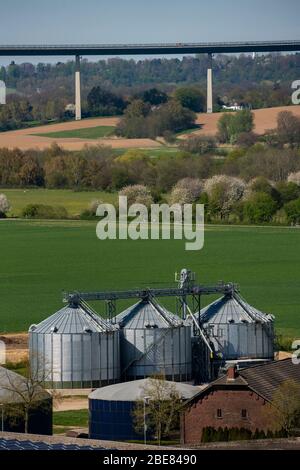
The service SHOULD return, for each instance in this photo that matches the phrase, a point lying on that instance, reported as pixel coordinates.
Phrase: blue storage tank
(111, 408)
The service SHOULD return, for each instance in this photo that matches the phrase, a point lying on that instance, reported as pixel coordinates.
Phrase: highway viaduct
(208, 48)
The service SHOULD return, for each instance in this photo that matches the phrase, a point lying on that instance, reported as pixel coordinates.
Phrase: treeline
(258, 184)
(234, 70)
(98, 168)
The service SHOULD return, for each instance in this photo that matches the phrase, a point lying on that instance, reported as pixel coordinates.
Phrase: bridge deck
(149, 49)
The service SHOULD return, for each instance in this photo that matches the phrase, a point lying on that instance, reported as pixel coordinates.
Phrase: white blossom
(4, 204)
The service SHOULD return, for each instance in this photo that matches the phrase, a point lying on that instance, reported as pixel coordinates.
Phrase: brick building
(237, 400)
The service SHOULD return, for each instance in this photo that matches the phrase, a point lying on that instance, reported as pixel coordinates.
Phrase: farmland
(74, 201)
(73, 135)
(97, 132)
(40, 259)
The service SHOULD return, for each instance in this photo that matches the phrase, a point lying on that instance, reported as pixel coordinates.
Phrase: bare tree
(288, 128)
(162, 410)
(27, 393)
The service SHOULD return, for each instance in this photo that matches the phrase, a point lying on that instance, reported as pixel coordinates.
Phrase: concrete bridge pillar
(209, 85)
(77, 90)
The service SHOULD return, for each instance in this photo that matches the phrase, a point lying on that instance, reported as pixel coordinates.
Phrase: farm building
(239, 399)
(154, 341)
(75, 348)
(237, 330)
(13, 387)
(111, 408)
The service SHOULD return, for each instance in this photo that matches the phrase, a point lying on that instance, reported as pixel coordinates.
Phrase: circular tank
(75, 348)
(237, 330)
(154, 341)
(111, 408)
(14, 390)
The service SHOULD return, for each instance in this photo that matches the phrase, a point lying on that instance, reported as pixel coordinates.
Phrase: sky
(146, 21)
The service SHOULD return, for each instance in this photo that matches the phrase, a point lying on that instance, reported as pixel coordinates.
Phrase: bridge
(150, 49)
(179, 48)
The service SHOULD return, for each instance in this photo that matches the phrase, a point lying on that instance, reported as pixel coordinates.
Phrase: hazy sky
(138, 21)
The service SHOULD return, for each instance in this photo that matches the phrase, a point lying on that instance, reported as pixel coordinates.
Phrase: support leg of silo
(209, 85)
(77, 90)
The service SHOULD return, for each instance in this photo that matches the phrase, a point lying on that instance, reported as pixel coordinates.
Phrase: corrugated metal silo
(237, 330)
(75, 348)
(154, 341)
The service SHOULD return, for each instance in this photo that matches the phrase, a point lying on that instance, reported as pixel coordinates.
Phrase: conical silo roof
(231, 308)
(73, 319)
(147, 314)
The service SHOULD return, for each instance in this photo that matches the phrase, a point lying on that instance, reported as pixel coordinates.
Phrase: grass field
(84, 133)
(74, 202)
(77, 418)
(41, 259)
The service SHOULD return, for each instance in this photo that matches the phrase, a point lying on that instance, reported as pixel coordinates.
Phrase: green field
(41, 259)
(74, 201)
(78, 418)
(85, 133)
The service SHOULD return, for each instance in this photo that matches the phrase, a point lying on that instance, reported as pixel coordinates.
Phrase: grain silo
(75, 348)
(111, 408)
(154, 341)
(237, 330)
(15, 391)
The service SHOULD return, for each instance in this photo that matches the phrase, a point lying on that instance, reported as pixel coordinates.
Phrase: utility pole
(145, 424)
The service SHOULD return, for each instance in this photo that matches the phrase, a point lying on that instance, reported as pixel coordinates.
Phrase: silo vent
(230, 320)
(54, 329)
(87, 330)
(151, 325)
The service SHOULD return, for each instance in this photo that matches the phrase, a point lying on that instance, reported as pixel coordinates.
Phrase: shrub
(223, 193)
(191, 98)
(41, 211)
(262, 185)
(137, 194)
(199, 144)
(169, 137)
(230, 126)
(292, 210)
(154, 96)
(288, 191)
(259, 208)
(140, 121)
(283, 343)
(246, 139)
(186, 191)
(181, 196)
(288, 128)
(103, 102)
